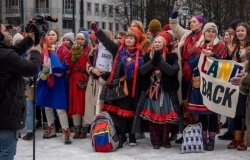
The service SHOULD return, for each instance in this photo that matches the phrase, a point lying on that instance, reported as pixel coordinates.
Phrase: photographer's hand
(37, 48)
(34, 32)
(32, 36)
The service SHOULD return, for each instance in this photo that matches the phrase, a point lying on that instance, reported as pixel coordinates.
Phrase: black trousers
(209, 122)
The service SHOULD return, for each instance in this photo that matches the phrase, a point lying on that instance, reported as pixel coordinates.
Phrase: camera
(39, 26)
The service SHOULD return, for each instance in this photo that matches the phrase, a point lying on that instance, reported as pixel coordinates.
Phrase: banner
(219, 95)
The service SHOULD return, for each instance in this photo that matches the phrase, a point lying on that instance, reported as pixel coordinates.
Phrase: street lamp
(73, 16)
(185, 13)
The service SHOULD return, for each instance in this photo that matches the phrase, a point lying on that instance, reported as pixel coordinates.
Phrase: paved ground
(54, 149)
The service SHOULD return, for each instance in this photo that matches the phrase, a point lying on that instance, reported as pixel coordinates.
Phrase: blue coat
(55, 97)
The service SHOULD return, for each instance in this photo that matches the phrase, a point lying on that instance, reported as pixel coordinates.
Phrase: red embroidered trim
(118, 111)
(197, 108)
(159, 118)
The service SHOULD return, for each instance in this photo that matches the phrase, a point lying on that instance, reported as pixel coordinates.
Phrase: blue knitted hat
(86, 35)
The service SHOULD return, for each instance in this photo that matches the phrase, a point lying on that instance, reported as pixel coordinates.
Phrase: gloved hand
(45, 73)
(156, 58)
(177, 5)
(94, 27)
(43, 76)
(46, 69)
(105, 75)
(76, 52)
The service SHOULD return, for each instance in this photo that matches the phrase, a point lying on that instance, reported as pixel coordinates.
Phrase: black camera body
(39, 25)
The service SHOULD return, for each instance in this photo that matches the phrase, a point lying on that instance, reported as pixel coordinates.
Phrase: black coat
(169, 69)
(12, 70)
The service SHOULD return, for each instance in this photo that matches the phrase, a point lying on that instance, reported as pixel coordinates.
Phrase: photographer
(12, 70)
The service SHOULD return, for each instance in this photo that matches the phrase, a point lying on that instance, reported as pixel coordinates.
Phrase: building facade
(19, 12)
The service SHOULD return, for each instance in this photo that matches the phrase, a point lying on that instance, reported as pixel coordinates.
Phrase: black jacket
(169, 68)
(12, 70)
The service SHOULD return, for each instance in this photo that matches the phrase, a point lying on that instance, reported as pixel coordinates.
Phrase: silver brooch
(129, 59)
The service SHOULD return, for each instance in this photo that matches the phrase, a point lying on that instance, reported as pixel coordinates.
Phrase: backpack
(103, 133)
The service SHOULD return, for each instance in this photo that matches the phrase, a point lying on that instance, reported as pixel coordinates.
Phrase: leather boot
(83, 133)
(210, 144)
(236, 141)
(50, 132)
(242, 145)
(66, 135)
(122, 140)
(204, 139)
(28, 136)
(45, 128)
(77, 132)
(132, 140)
(210, 141)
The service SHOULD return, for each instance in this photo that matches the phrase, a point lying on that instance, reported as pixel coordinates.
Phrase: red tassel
(135, 72)
(114, 64)
(51, 80)
(165, 49)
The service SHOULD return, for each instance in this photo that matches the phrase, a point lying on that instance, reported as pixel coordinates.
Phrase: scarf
(63, 53)
(131, 62)
(190, 46)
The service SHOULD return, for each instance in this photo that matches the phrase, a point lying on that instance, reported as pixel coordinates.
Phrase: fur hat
(154, 26)
(17, 37)
(210, 25)
(70, 36)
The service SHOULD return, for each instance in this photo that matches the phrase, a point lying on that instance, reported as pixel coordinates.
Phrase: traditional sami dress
(78, 73)
(195, 101)
(159, 105)
(53, 92)
(125, 107)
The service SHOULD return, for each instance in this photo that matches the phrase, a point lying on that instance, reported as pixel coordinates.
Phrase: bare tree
(127, 10)
(160, 9)
(221, 12)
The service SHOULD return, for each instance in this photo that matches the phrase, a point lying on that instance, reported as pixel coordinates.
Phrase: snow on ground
(54, 149)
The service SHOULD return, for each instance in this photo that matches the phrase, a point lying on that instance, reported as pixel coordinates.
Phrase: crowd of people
(158, 66)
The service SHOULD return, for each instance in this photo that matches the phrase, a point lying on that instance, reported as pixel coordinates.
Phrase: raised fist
(94, 27)
(177, 5)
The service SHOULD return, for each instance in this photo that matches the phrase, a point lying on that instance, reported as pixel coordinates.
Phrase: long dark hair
(236, 40)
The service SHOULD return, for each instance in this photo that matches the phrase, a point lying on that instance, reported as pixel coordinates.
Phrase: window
(96, 9)
(103, 25)
(126, 11)
(117, 10)
(111, 27)
(13, 21)
(68, 6)
(134, 12)
(104, 9)
(88, 24)
(67, 23)
(42, 6)
(110, 10)
(88, 8)
(12, 6)
(42, 3)
(117, 27)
